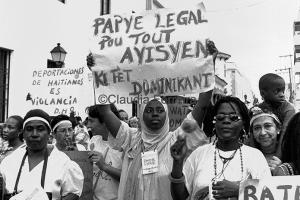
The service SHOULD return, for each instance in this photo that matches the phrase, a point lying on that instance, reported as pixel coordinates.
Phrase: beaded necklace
(226, 162)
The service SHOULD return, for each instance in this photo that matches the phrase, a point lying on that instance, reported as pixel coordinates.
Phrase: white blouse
(63, 176)
(201, 166)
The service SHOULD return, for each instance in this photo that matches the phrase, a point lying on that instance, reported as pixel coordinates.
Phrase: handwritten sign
(161, 52)
(276, 187)
(61, 90)
(178, 107)
(82, 159)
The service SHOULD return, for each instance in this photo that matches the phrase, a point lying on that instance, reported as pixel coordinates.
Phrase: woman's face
(154, 115)
(265, 131)
(36, 135)
(228, 122)
(10, 129)
(64, 133)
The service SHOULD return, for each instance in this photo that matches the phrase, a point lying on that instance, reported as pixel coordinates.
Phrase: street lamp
(58, 55)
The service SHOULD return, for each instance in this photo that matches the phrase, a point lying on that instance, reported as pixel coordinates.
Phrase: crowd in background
(219, 144)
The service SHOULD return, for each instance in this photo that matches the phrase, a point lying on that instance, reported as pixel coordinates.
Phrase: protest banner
(273, 188)
(178, 107)
(61, 90)
(82, 159)
(158, 52)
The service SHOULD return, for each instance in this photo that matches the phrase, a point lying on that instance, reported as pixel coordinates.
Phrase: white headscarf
(150, 137)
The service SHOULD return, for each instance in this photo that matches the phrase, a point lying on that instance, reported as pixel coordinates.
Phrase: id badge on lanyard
(149, 162)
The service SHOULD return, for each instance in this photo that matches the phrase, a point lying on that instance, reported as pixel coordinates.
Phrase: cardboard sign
(158, 52)
(274, 188)
(61, 90)
(82, 159)
(178, 107)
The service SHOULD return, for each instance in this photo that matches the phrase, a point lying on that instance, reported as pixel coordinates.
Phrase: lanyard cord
(143, 147)
(43, 172)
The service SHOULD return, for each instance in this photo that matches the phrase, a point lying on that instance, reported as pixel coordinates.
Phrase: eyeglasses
(232, 117)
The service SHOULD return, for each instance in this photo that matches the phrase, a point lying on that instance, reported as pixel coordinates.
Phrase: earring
(214, 134)
(214, 131)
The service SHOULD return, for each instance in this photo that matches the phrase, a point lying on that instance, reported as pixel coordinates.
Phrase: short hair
(291, 142)
(243, 110)
(94, 112)
(20, 122)
(78, 118)
(265, 80)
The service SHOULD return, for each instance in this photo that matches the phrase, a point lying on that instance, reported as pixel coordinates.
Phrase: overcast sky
(254, 32)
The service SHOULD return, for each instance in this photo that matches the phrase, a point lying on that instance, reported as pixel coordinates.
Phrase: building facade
(4, 82)
(238, 84)
(220, 72)
(296, 69)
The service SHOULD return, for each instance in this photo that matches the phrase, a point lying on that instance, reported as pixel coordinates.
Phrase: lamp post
(58, 55)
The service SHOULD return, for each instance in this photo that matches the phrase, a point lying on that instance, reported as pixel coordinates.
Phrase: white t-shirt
(107, 187)
(199, 168)
(63, 176)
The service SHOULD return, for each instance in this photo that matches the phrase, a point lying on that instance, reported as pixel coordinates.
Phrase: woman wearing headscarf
(39, 169)
(63, 133)
(218, 168)
(147, 160)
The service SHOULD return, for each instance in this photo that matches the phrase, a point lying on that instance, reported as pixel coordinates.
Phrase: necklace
(226, 162)
(224, 159)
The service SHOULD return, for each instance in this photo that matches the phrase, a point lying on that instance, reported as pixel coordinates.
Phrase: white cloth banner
(158, 52)
(60, 90)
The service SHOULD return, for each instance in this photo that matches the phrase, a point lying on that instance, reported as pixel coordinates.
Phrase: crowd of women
(219, 144)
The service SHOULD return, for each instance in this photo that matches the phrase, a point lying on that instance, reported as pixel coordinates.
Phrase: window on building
(4, 82)
(297, 28)
(297, 53)
(297, 77)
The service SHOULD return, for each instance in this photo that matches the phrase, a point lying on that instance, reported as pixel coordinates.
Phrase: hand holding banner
(161, 52)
